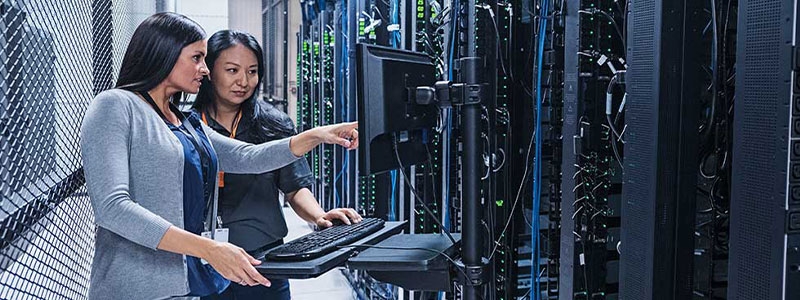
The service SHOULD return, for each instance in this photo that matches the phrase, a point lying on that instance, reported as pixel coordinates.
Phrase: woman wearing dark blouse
(151, 173)
(249, 205)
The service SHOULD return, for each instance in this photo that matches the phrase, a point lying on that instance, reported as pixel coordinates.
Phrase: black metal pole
(353, 9)
(471, 130)
(471, 113)
(471, 29)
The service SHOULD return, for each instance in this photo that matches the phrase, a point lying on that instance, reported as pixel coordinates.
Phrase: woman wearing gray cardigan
(151, 172)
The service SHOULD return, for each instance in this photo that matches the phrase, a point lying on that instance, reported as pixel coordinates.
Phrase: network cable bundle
(558, 79)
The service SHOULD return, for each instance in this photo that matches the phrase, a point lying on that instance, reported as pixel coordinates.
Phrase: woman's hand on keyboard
(235, 264)
(343, 215)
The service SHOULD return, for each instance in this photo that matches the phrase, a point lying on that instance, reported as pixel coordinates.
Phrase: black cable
(593, 11)
(375, 8)
(724, 66)
(433, 184)
(611, 124)
(500, 52)
(616, 28)
(707, 128)
(585, 264)
(609, 92)
(618, 115)
(516, 199)
(416, 195)
(624, 11)
(433, 180)
(614, 143)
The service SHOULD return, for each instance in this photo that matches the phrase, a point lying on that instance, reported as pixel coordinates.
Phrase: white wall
(245, 15)
(212, 15)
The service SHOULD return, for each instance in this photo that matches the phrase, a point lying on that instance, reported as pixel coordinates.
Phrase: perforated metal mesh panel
(55, 56)
(636, 260)
(760, 150)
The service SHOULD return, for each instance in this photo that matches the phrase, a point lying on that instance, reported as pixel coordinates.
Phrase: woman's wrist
(206, 247)
(315, 136)
(303, 142)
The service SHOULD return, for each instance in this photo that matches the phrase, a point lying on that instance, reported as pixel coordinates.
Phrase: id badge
(220, 235)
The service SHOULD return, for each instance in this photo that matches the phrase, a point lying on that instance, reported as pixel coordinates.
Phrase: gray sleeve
(244, 158)
(104, 138)
(295, 176)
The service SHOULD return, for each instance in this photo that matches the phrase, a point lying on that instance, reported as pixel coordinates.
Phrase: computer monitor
(388, 114)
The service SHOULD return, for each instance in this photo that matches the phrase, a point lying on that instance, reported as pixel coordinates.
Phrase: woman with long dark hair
(249, 205)
(151, 173)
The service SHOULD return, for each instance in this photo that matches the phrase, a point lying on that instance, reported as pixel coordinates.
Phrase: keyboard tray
(315, 267)
(416, 270)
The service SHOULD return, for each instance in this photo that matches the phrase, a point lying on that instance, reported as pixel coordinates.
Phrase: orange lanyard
(233, 135)
(235, 122)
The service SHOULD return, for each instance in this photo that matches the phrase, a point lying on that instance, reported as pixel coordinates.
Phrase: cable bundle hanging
(537, 170)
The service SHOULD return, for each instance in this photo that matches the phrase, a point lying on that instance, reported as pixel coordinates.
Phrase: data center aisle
(330, 286)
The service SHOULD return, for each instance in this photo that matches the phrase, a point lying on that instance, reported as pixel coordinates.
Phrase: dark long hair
(272, 123)
(153, 50)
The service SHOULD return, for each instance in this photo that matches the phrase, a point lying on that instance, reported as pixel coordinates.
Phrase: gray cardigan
(133, 165)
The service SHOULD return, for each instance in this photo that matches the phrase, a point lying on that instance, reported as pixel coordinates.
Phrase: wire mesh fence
(54, 57)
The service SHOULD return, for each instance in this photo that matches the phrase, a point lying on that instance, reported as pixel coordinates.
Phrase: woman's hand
(342, 134)
(235, 264)
(344, 214)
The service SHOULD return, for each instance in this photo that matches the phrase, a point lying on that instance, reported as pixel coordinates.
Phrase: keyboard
(319, 243)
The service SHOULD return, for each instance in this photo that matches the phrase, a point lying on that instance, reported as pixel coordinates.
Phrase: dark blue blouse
(199, 182)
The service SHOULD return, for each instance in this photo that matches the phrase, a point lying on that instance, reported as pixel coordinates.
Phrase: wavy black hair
(154, 49)
(273, 124)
